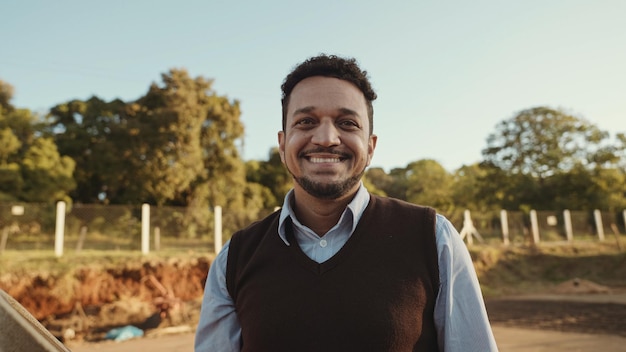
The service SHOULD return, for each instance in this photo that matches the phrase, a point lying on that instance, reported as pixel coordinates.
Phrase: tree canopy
(178, 144)
(544, 158)
(541, 141)
(31, 167)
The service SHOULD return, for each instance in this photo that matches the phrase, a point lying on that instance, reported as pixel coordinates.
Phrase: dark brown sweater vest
(376, 294)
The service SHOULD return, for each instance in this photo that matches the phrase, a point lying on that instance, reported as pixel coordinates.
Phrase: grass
(502, 270)
(44, 261)
(524, 269)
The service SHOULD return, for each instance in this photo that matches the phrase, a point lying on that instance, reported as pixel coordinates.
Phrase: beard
(331, 190)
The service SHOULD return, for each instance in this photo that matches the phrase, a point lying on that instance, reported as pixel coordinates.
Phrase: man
(338, 269)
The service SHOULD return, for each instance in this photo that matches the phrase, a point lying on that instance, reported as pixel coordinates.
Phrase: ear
(371, 146)
(281, 145)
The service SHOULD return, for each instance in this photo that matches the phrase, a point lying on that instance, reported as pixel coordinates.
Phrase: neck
(320, 215)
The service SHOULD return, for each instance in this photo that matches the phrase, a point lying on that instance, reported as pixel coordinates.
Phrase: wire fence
(104, 227)
(118, 227)
(551, 225)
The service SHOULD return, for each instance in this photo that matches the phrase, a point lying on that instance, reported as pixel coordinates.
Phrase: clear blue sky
(446, 72)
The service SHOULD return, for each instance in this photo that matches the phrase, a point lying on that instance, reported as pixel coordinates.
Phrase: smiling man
(338, 269)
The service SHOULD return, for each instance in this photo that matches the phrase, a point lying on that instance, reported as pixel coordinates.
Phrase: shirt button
(323, 243)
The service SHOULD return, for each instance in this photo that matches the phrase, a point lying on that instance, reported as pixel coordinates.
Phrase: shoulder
(411, 215)
(446, 233)
(393, 204)
(257, 229)
(245, 241)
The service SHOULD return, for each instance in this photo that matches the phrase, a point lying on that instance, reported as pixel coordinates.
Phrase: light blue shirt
(460, 315)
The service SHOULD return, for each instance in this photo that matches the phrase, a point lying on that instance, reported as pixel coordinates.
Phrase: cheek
(293, 144)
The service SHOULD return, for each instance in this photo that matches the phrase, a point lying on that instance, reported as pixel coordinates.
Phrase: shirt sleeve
(218, 328)
(460, 314)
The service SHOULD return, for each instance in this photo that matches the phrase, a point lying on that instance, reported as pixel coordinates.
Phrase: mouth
(324, 156)
(320, 160)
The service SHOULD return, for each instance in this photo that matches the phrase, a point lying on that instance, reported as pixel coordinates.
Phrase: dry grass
(524, 269)
(502, 270)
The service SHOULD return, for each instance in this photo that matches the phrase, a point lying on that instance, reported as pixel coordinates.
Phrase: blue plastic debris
(124, 333)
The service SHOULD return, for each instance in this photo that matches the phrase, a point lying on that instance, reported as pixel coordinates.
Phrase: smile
(324, 160)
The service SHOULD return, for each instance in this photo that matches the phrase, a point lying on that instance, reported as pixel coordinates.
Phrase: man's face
(326, 144)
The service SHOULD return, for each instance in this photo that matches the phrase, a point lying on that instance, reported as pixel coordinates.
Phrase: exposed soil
(90, 301)
(84, 303)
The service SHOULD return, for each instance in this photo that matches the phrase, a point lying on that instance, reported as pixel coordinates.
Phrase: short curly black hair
(346, 69)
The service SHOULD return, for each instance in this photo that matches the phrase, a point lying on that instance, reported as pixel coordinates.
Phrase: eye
(349, 124)
(305, 121)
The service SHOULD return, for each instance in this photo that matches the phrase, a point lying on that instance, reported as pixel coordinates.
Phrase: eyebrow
(309, 109)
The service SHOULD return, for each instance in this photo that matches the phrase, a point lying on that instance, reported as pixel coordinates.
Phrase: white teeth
(324, 160)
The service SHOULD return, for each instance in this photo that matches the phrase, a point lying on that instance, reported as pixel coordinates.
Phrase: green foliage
(178, 145)
(423, 182)
(9, 145)
(6, 94)
(47, 175)
(430, 184)
(380, 181)
(547, 159)
(466, 190)
(31, 168)
(271, 175)
(94, 135)
(541, 140)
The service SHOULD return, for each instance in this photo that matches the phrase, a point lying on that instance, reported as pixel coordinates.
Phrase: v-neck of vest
(344, 252)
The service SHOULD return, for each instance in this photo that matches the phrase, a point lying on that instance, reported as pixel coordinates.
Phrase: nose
(326, 135)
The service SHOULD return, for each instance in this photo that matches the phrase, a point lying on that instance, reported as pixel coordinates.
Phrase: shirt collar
(356, 207)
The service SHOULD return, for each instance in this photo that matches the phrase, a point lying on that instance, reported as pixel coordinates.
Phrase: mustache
(322, 150)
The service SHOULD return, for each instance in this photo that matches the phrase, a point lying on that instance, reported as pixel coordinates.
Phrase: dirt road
(521, 324)
(509, 340)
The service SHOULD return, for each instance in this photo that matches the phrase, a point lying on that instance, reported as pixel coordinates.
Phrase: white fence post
(145, 228)
(157, 238)
(59, 230)
(535, 226)
(217, 240)
(567, 218)
(504, 221)
(468, 229)
(599, 227)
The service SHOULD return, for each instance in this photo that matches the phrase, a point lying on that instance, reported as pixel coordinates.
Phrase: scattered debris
(124, 333)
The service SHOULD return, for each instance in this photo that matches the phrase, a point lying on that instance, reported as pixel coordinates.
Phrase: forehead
(323, 93)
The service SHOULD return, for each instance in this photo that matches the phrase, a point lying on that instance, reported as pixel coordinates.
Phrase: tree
(94, 135)
(377, 179)
(11, 181)
(6, 94)
(430, 184)
(548, 159)
(541, 141)
(610, 187)
(47, 175)
(170, 126)
(500, 189)
(423, 182)
(176, 145)
(466, 187)
(31, 168)
(271, 174)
